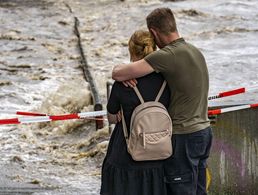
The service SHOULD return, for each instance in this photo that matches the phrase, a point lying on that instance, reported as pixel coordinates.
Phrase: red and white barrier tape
(220, 95)
(233, 92)
(22, 113)
(39, 117)
(36, 119)
(92, 115)
(230, 109)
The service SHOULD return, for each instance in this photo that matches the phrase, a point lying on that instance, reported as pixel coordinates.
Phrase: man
(185, 69)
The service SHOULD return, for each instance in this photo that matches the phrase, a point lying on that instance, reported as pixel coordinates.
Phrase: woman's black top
(121, 175)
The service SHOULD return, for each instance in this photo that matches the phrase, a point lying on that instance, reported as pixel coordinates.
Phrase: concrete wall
(233, 161)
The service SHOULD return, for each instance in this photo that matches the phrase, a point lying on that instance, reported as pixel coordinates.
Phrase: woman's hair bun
(141, 44)
(148, 45)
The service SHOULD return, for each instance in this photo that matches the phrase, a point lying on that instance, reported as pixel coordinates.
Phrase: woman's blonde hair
(141, 44)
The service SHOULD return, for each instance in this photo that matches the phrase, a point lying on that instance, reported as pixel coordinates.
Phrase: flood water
(40, 71)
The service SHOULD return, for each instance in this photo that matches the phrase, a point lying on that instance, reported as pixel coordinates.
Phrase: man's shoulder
(161, 60)
(166, 51)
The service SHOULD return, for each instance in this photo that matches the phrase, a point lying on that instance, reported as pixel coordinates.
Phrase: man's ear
(153, 32)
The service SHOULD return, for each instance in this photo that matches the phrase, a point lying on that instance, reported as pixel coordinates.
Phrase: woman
(121, 175)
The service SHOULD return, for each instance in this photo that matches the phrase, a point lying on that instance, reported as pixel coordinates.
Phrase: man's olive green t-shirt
(185, 69)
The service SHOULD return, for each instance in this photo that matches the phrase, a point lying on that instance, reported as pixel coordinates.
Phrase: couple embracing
(185, 96)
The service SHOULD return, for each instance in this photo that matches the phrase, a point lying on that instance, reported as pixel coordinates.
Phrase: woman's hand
(114, 118)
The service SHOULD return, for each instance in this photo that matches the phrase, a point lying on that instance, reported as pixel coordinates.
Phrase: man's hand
(130, 83)
(130, 71)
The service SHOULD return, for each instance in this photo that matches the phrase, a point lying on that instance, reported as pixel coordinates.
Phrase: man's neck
(171, 37)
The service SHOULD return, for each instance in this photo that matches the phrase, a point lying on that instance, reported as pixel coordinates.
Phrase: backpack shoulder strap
(161, 91)
(124, 126)
(136, 90)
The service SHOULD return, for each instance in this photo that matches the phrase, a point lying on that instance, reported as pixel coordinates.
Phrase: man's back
(185, 70)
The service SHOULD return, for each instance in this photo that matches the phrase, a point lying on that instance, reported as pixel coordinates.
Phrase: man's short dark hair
(163, 20)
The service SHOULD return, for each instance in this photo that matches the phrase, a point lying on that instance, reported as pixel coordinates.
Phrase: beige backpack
(150, 130)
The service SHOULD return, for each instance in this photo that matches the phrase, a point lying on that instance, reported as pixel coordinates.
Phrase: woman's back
(121, 175)
(148, 86)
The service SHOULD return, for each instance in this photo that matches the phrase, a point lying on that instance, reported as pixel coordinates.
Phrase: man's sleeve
(113, 105)
(161, 60)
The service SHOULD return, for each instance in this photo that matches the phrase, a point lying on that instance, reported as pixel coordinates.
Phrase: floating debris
(192, 12)
(63, 23)
(17, 159)
(3, 83)
(35, 181)
(13, 36)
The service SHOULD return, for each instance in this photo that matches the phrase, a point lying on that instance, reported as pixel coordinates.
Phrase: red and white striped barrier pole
(233, 92)
(230, 109)
(36, 119)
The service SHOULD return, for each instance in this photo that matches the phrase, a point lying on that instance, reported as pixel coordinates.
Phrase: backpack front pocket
(155, 137)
